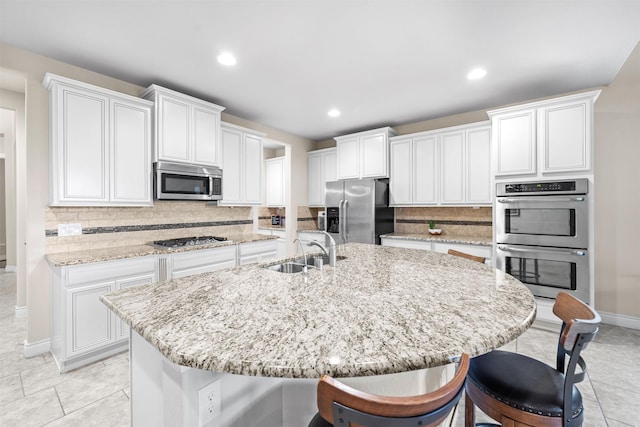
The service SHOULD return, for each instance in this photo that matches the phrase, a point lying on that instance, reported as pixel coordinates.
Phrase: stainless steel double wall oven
(542, 235)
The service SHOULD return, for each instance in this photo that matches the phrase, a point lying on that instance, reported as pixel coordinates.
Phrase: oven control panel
(576, 186)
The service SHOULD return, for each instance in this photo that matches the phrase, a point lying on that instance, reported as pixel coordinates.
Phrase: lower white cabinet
(441, 247)
(83, 328)
(257, 251)
(185, 264)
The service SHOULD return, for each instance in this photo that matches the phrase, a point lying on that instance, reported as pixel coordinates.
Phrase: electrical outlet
(210, 402)
(69, 229)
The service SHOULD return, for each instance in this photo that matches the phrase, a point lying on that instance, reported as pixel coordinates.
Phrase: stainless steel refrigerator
(358, 210)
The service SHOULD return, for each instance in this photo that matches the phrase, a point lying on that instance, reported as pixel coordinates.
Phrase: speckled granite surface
(467, 240)
(381, 310)
(107, 254)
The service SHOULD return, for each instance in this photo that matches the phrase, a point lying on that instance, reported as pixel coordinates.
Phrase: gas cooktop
(190, 241)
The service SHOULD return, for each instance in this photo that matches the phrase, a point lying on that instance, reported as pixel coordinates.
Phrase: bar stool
(341, 405)
(517, 390)
(465, 255)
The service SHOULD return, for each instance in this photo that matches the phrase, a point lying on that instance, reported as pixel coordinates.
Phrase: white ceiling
(379, 62)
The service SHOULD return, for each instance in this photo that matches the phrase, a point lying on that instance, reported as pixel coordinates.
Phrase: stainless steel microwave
(178, 181)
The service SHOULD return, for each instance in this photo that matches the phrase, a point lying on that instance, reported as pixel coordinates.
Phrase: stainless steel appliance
(542, 235)
(177, 181)
(358, 210)
(322, 220)
(190, 241)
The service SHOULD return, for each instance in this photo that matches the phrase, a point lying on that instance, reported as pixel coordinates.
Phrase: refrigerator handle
(344, 217)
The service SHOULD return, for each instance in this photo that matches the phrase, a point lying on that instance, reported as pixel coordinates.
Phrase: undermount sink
(297, 265)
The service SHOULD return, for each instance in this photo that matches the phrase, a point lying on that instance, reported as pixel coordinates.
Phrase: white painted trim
(21, 312)
(620, 320)
(36, 348)
(10, 268)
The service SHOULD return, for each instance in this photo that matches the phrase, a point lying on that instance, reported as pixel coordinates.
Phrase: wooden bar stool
(341, 405)
(465, 255)
(519, 391)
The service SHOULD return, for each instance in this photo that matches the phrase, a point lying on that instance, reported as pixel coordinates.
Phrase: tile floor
(33, 393)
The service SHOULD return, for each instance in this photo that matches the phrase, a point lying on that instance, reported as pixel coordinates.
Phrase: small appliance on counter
(275, 220)
(322, 220)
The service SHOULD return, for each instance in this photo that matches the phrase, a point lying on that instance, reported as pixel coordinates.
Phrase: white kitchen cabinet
(241, 165)
(364, 154)
(544, 137)
(321, 168)
(83, 328)
(187, 129)
(251, 252)
(188, 263)
(442, 167)
(440, 247)
(100, 146)
(274, 171)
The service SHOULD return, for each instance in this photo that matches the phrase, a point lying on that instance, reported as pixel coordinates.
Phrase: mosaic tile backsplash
(107, 227)
(454, 221)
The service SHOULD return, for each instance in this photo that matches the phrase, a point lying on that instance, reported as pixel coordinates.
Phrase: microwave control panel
(578, 186)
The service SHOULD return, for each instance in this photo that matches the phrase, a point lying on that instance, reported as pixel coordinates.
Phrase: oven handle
(576, 252)
(542, 199)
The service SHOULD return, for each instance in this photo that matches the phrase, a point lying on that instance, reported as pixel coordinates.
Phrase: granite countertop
(445, 238)
(381, 310)
(108, 254)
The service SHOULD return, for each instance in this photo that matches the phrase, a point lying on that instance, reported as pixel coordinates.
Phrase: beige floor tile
(10, 388)
(111, 411)
(35, 410)
(13, 361)
(618, 404)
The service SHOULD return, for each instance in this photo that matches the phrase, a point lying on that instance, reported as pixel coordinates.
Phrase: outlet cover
(209, 402)
(69, 229)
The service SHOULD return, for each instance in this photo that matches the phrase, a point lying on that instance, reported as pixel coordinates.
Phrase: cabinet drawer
(246, 249)
(408, 244)
(199, 258)
(109, 270)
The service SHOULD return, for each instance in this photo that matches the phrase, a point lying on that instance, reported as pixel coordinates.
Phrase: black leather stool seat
(522, 382)
(318, 421)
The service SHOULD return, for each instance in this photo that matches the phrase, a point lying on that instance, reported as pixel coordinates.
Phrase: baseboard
(36, 348)
(21, 312)
(623, 320)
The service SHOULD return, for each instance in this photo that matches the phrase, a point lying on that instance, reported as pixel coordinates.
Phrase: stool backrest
(342, 405)
(465, 255)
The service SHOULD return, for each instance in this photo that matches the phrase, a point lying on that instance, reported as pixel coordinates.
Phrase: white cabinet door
(232, 141)
(478, 155)
(321, 168)
(130, 153)
(565, 134)
(425, 170)
(174, 118)
(122, 329)
(375, 158)
(348, 157)
(90, 324)
(206, 127)
(515, 141)
(452, 167)
(80, 146)
(252, 173)
(275, 181)
(402, 174)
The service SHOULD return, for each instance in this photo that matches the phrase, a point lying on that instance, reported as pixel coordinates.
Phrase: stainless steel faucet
(330, 243)
(304, 269)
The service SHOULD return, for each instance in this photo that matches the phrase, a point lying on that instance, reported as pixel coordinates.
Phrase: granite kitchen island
(256, 341)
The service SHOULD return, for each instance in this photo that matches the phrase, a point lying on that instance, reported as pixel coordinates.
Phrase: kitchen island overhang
(381, 310)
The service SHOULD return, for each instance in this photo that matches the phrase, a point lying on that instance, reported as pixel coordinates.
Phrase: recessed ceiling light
(227, 59)
(334, 112)
(476, 74)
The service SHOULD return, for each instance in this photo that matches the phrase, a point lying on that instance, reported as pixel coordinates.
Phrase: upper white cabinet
(364, 154)
(545, 137)
(187, 129)
(241, 166)
(100, 145)
(321, 168)
(274, 171)
(441, 167)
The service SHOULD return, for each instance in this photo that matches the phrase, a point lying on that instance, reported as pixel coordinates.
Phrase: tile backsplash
(105, 227)
(454, 221)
